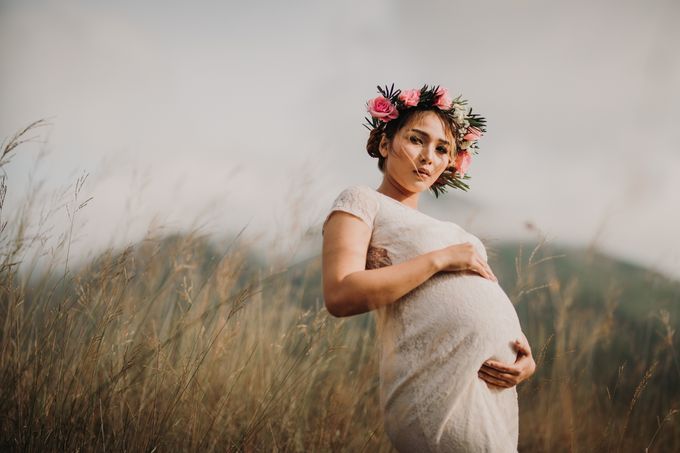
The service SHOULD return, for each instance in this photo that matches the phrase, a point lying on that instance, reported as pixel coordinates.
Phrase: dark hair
(395, 125)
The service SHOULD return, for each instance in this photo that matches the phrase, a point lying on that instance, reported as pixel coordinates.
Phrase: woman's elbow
(334, 310)
(333, 305)
(342, 300)
(345, 307)
(335, 300)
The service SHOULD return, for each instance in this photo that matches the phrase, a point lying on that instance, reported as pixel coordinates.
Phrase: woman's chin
(422, 184)
(417, 184)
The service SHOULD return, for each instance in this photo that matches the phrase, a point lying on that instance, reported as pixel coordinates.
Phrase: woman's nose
(427, 153)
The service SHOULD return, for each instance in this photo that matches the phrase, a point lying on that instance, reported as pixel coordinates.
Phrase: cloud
(224, 110)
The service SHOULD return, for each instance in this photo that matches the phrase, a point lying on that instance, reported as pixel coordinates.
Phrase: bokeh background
(223, 110)
(160, 231)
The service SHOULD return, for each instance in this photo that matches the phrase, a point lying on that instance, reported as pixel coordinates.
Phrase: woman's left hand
(503, 375)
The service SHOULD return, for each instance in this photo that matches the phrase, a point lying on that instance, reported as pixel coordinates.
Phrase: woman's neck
(392, 190)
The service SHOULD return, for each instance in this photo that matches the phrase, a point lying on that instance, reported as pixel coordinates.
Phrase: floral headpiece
(468, 126)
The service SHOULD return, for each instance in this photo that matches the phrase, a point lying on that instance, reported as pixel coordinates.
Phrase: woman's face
(421, 144)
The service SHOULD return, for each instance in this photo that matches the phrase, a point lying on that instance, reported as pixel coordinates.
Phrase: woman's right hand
(464, 257)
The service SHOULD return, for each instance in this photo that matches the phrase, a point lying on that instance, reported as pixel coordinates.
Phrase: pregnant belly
(435, 340)
(459, 311)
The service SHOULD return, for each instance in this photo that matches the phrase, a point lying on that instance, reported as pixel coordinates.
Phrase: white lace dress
(434, 339)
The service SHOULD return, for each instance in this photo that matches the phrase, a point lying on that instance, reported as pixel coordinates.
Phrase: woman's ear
(383, 146)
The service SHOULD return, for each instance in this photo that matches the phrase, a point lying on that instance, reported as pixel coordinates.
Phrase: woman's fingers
(502, 367)
(493, 379)
(511, 378)
(488, 269)
(517, 372)
(527, 365)
(481, 267)
(522, 346)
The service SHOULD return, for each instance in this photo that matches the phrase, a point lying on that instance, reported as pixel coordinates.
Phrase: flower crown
(468, 126)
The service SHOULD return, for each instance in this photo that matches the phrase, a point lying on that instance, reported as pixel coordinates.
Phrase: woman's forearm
(366, 290)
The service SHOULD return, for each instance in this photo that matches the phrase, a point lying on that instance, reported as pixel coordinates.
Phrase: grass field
(183, 344)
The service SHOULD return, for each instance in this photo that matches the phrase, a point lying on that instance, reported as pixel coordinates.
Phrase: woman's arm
(348, 288)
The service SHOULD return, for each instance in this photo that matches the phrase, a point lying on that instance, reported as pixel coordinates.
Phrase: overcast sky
(229, 112)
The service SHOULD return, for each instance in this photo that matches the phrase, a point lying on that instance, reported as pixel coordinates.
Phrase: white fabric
(435, 338)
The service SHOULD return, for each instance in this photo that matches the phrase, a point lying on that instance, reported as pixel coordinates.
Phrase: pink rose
(443, 98)
(410, 98)
(462, 162)
(472, 134)
(382, 109)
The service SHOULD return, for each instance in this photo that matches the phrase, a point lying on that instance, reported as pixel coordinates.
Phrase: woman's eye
(415, 139)
(442, 150)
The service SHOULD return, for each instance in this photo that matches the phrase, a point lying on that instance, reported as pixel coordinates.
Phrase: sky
(249, 114)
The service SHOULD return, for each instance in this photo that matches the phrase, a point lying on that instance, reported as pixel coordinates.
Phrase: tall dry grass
(180, 344)
(587, 395)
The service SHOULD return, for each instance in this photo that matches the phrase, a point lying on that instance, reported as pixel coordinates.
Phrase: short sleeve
(356, 200)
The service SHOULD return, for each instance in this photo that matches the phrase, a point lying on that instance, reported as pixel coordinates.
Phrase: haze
(228, 112)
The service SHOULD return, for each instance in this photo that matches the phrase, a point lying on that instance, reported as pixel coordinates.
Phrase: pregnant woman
(451, 346)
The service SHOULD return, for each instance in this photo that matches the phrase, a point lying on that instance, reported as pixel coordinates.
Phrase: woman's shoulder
(356, 199)
(359, 190)
(358, 194)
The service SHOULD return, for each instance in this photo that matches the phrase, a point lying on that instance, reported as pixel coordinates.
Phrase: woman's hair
(395, 125)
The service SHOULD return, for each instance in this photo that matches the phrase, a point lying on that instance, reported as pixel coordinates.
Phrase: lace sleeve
(357, 201)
